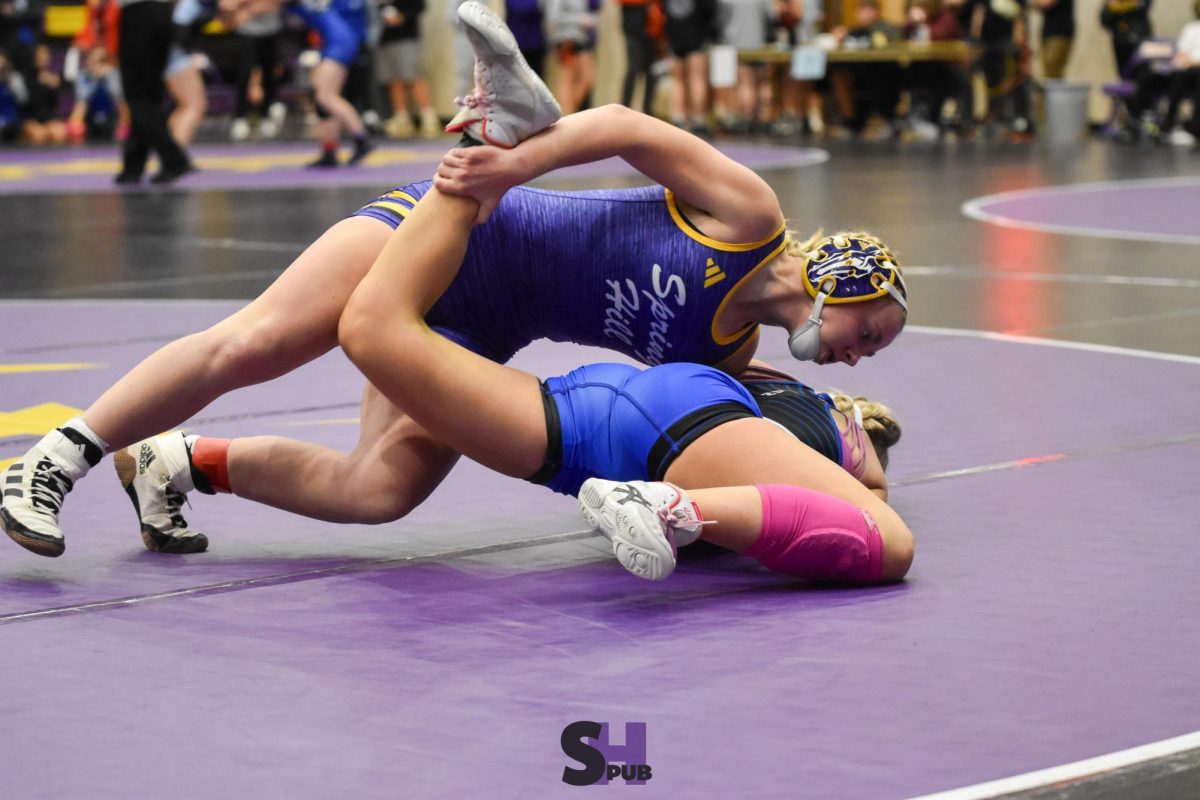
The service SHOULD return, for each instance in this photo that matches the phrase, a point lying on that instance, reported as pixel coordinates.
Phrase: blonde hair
(877, 421)
(805, 248)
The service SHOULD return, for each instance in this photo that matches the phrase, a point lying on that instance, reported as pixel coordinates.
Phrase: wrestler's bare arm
(737, 198)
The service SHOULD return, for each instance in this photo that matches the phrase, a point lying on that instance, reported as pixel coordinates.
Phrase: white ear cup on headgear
(805, 341)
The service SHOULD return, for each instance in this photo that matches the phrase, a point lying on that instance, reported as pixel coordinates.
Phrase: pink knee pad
(817, 536)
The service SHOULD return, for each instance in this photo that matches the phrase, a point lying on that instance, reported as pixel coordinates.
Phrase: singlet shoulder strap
(692, 231)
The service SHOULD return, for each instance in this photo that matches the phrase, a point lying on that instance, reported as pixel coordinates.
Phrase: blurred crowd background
(244, 70)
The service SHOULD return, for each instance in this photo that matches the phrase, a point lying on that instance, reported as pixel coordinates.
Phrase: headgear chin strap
(844, 269)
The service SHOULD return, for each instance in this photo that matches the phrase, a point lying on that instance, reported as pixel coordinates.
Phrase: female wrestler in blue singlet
(768, 493)
(717, 233)
(342, 26)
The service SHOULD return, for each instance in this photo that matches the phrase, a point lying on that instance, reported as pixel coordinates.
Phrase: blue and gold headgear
(844, 268)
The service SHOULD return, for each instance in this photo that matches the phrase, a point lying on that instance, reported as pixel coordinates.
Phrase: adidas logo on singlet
(713, 273)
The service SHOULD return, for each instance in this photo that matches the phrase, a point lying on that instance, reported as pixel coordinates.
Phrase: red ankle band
(211, 457)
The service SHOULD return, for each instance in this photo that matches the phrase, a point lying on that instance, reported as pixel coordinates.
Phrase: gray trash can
(1066, 111)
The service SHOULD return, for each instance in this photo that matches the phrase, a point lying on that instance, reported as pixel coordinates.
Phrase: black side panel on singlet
(803, 412)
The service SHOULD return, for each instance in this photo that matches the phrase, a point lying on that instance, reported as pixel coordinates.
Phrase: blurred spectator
(185, 83)
(571, 30)
(526, 21)
(932, 83)
(787, 17)
(256, 51)
(641, 49)
(862, 88)
(464, 56)
(690, 27)
(42, 124)
(97, 99)
(144, 47)
(400, 66)
(1058, 33)
(1162, 71)
(21, 25)
(101, 27)
(805, 97)
(13, 95)
(962, 10)
(1129, 23)
(362, 88)
(341, 73)
(1185, 81)
(744, 25)
(999, 27)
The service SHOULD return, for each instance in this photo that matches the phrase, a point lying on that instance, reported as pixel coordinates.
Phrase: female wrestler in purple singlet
(683, 271)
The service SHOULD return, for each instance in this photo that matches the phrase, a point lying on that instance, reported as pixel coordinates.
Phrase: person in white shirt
(1185, 79)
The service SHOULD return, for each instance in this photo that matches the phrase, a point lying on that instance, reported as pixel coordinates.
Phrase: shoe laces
(673, 517)
(49, 486)
(477, 99)
(175, 501)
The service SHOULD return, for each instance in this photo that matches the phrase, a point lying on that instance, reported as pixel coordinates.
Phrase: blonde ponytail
(877, 420)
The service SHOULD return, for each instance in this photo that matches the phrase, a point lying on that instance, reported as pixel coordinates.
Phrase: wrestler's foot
(157, 475)
(646, 522)
(34, 488)
(327, 160)
(511, 103)
(362, 148)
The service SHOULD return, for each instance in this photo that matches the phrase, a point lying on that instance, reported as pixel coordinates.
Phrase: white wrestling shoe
(646, 522)
(511, 103)
(157, 475)
(34, 488)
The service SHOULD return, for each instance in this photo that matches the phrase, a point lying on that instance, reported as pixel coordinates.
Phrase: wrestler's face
(850, 331)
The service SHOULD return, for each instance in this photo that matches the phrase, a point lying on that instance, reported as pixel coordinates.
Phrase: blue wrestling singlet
(620, 269)
(620, 422)
(342, 25)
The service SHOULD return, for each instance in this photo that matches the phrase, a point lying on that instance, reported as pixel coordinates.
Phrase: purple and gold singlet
(620, 269)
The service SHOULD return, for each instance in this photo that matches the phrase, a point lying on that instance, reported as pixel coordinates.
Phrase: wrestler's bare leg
(291, 323)
(720, 468)
(394, 467)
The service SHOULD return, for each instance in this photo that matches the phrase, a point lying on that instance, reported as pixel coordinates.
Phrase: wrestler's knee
(325, 96)
(250, 352)
(378, 497)
(898, 547)
(355, 327)
(366, 325)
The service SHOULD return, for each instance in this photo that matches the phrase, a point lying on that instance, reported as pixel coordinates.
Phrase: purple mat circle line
(282, 166)
(1157, 210)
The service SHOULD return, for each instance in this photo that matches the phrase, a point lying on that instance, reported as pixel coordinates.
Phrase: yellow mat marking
(217, 163)
(35, 420)
(12, 369)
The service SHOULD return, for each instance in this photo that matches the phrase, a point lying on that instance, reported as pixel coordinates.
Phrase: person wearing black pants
(640, 52)
(145, 43)
(258, 46)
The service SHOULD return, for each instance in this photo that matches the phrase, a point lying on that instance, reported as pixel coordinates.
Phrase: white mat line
(1040, 342)
(294, 577)
(1074, 771)
(982, 273)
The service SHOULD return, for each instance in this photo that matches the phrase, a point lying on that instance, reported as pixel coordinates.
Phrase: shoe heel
(591, 500)
(126, 467)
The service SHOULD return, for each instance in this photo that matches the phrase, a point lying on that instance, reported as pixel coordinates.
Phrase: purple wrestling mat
(281, 166)
(1158, 210)
(1049, 616)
